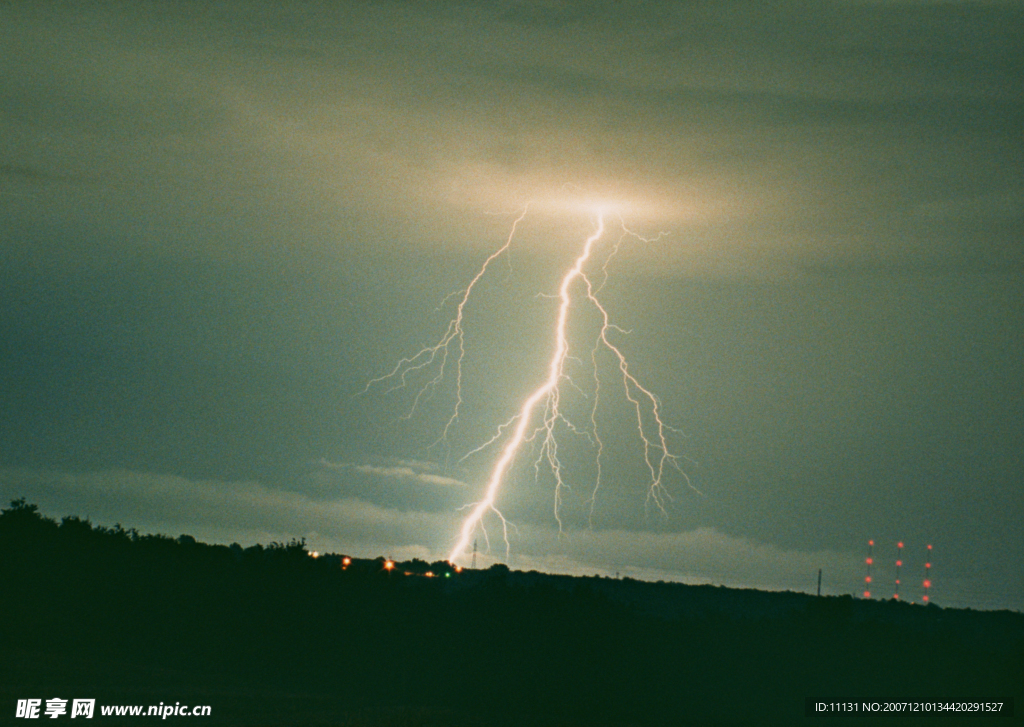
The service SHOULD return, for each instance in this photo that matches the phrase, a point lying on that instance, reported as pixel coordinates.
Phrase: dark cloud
(222, 220)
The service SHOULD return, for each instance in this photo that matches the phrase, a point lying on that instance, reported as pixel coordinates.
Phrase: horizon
(634, 574)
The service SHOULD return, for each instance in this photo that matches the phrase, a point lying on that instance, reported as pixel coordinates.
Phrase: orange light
(896, 596)
(429, 574)
(927, 565)
(867, 579)
(929, 547)
(458, 569)
(346, 561)
(899, 563)
(869, 561)
(389, 564)
(899, 544)
(927, 584)
(897, 581)
(871, 542)
(924, 598)
(867, 594)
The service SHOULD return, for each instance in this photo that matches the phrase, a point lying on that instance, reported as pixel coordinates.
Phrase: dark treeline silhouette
(271, 635)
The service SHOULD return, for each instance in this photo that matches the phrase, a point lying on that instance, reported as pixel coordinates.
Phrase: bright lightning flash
(653, 432)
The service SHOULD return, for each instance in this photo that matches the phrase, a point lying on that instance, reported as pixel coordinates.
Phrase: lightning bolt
(439, 352)
(652, 430)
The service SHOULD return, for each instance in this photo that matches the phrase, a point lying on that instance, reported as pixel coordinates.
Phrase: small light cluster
(870, 560)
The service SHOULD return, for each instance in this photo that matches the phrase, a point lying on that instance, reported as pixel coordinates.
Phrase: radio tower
(869, 560)
(927, 575)
(899, 564)
(474, 555)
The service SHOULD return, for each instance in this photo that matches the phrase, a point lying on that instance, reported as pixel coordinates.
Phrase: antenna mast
(927, 575)
(869, 560)
(899, 564)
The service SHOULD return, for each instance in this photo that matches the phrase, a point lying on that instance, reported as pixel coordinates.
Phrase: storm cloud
(222, 220)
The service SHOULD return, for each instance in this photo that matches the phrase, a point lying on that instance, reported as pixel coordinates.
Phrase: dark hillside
(270, 635)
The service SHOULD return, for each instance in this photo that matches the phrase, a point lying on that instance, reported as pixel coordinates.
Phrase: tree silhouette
(478, 647)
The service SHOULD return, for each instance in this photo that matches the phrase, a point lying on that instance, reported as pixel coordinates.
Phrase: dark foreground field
(272, 636)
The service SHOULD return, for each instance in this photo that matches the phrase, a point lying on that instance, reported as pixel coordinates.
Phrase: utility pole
(819, 583)
(474, 554)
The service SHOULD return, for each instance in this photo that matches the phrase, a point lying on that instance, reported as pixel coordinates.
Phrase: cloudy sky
(220, 221)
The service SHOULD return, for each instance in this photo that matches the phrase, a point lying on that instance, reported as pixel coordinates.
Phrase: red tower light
(899, 544)
(927, 583)
(899, 563)
(868, 561)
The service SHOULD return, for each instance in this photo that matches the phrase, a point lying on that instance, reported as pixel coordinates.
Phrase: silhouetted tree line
(501, 644)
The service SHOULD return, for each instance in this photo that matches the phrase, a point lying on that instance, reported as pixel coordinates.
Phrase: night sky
(220, 220)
